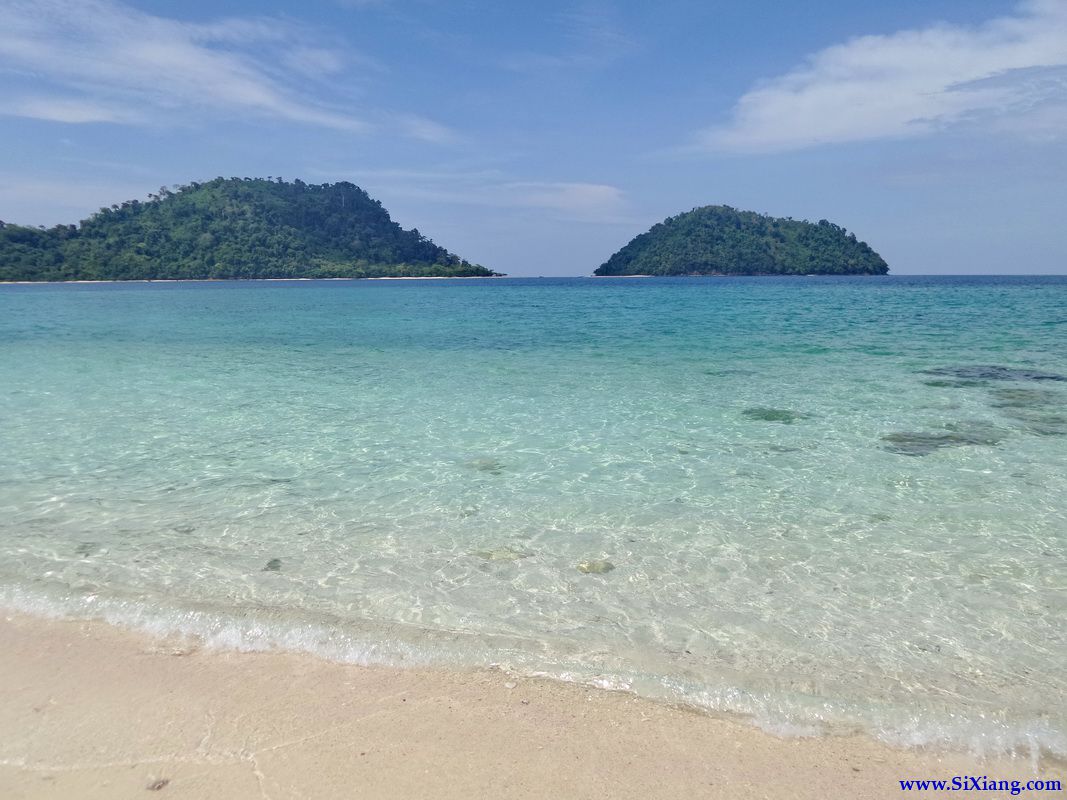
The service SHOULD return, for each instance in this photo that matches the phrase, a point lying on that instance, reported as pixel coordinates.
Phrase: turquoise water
(824, 508)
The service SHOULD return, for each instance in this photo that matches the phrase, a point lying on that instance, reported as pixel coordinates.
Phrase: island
(720, 240)
(231, 228)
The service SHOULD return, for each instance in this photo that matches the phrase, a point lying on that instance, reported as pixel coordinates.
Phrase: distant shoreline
(529, 278)
(426, 278)
(266, 280)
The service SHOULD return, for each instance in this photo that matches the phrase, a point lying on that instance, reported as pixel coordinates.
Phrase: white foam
(783, 716)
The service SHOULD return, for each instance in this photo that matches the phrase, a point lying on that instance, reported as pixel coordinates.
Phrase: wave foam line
(780, 715)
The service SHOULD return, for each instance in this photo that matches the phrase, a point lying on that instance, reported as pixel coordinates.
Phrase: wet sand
(89, 711)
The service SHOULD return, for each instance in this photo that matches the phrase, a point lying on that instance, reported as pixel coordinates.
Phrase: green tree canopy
(231, 228)
(720, 240)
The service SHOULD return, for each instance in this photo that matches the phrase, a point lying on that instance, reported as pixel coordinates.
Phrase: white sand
(88, 711)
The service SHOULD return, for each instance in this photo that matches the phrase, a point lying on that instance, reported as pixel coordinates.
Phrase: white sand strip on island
(89, 711)
(264, 280)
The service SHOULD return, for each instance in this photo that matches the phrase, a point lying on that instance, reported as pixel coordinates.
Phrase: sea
(824, 505)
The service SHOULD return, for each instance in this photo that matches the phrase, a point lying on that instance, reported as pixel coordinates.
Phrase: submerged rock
(994, 372)
(1035, 408)
(721, 373)
(595, 567)
(1020, 397)
(274, 565)
(783, 415)
(1049, 425)
(943, 383)
(911, 443)
(1041, 423)
(503, 554)
(922, 443)
(490, 465)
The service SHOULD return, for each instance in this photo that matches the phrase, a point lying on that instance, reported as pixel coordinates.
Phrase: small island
(720, 240)
(231, 228)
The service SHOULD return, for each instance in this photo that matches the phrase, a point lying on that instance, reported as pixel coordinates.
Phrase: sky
(538, 138)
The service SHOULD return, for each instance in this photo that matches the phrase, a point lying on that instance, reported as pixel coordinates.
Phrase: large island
(231, 228)
(720, 240)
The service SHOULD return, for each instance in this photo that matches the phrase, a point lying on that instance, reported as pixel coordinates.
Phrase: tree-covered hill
(719, 240)
(231, 228)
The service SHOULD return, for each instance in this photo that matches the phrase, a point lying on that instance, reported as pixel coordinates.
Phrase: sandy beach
(90, 711)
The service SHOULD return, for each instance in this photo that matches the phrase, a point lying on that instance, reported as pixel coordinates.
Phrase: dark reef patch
(783, 415)
(994, 372)
(1043, 424)
(490, 465)
(721, 373)
(943, 383)
(1018, 397)
(504, 554)
(595, 567)
(1038, 409)
(922, 443)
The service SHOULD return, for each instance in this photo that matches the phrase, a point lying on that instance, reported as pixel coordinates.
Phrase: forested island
(720, 240)
(231, 228)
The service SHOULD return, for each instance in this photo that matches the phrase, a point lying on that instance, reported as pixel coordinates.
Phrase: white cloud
(425, 130)
(99, 61)
(562, 200)
(583, 201)
(1006, 73)
(29, 200)
(592, 38)
(70, 109)
(313, 61)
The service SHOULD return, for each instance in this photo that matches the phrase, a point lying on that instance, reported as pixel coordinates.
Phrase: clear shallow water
(430, 461)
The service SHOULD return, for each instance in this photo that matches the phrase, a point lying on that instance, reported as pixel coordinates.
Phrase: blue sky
(539, 138)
